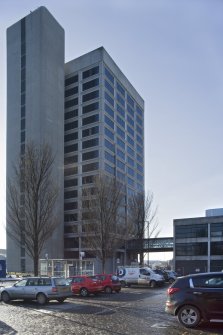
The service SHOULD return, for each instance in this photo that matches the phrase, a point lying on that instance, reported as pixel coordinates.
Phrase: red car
(84, 285)
(110, 283)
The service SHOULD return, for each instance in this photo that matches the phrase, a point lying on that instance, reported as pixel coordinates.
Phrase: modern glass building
(86, 109)
(198, 244)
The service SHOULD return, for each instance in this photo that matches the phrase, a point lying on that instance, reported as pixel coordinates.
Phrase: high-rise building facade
(104, 131)
(86, 109)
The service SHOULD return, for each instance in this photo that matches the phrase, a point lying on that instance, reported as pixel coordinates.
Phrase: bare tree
(32, 194)
(142, 218)
(103, 217)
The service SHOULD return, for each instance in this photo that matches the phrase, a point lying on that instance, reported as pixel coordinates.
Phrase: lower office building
(198, 243)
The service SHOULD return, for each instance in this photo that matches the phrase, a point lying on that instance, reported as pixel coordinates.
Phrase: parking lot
(133, 311)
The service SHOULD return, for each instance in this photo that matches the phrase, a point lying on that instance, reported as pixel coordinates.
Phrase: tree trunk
(36, 266)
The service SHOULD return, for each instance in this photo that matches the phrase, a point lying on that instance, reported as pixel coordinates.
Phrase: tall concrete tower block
(35, 109)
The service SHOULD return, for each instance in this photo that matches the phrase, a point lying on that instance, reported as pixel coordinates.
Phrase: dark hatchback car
(196, 297)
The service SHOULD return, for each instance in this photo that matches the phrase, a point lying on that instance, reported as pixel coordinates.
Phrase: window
(120, 165)
(109, 157)
(71, 125)
(109, 145)
(120, 132)
(23, 136)
(109, 169)
(70, 159)
(109, 99)
(87, 180)
(130, 151)
(139, 110)
(23, 99)
(71, 91)
(109, 133)
(130, 100)
(120, 100)
(90, 96)
(217, 248)
(120, 110)
(139, 120)
(90, 155)
(130, 121)
(70, 171)
(130, 110)
(71, 80)
(130, 130)
(109, 75)
(139, 158)
(70, 194)
(139, 149)
(70, 217)
(89, 108)
(191, 231)
(90, 84)
(121, 154)
(72, 102)
(90, 167)
(121, 143)
(130, 171)
(90, 119)
(139, 168)
(139, 139)
(71, 148)
(68, 206)
(191, 249)
(109, 111)
(139, 178)
(139, 129)
(120, 121)
(109, 122)
(70, 182)
(71, 137)
(130, 141)
(90, 143)
(120, 88)
(90, 72)
(131, 182)
(216, 229)
(90, 131)
(109, 87)
(120, 175)
(71, 114)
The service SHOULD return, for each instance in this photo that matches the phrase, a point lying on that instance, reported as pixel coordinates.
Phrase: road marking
(159, 325)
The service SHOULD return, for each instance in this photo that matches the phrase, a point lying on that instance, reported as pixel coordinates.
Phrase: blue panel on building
(2, 268)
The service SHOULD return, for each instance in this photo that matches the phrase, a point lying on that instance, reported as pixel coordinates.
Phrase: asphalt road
(134, 311)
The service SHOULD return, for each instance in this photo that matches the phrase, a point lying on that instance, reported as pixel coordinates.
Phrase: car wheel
(84, 292)
(108, 289)
(153, 284)
(189, 316)
(41, 299)
(5, 297)
(61, 300)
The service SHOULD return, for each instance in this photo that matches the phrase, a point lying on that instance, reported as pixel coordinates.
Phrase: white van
(139, 276)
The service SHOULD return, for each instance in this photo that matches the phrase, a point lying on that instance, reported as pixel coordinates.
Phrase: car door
(17, 290)
(209, 295)
(31, 288)
(144, 277)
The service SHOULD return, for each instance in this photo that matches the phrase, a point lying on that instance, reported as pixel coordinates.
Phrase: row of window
(199, 230)
(198, 249)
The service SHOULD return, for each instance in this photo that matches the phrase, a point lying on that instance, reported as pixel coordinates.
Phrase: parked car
(196, 297)
(171, 276)
(84, 285)
(42, 289)
(110, 283)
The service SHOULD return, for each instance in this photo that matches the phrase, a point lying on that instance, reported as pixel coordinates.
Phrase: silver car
(42, 289)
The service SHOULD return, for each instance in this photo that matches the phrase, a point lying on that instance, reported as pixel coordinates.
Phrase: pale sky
(172, 53)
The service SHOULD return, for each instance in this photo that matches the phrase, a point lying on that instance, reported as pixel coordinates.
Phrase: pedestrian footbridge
(160, 244)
